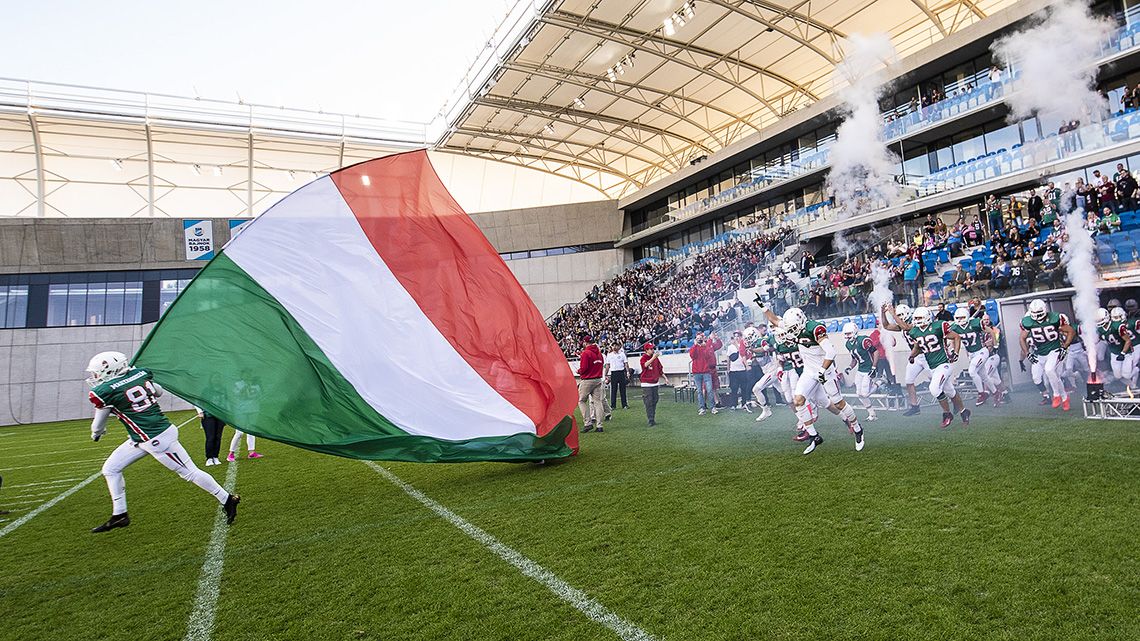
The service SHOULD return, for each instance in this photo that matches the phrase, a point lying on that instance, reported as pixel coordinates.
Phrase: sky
(397, 60)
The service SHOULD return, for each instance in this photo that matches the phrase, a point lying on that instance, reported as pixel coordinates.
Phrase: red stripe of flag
(459, 281)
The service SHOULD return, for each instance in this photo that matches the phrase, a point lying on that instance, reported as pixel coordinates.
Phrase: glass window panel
(114, 304)
(96, 303)
(132, 302)
(5, 311)
(1003, 138)
(76, 304)
(167, 292)
(57, 305)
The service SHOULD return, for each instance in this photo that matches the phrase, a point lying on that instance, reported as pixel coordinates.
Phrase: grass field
(1022, 526)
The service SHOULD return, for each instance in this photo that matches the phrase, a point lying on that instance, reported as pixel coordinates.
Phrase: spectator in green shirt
(1110, 222)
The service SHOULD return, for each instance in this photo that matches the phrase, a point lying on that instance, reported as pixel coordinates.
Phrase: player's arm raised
(894, 327)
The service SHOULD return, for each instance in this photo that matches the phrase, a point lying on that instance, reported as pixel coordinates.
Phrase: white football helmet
(1118, 315)
(1037, 310)
(904, 313)
(794, 321)
(751, 334)
(961, 316)
(106, 365)
(849, 331)
(1102, 318)
(923, 317)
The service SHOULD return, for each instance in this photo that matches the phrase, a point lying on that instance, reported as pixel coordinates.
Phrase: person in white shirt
(616, 370)
(739, 357)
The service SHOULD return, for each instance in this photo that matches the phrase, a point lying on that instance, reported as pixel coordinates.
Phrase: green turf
(1023, 526)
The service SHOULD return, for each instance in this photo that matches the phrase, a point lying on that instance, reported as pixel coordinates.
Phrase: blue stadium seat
(833, 327)
(869, 321)
(992, 311)
(1104, 255)
(968, 264)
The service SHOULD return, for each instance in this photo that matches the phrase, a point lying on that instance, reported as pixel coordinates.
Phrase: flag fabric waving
(365, 315)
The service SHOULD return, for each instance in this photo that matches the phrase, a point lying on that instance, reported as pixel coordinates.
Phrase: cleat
(255, 455)
(965, 417)
(231, 507)
(607, 417)
(116, 521)
(588, 427)
(872, 418)
(765, 412)
(947, 419)
(1056, 402)
(999, 397)
(714, 410)
(1044, 400)
(812, 442)
(231, 457)
(1065, 404)
(599, 429)
(859, 442)
(914, 409)
(701, 412)
(801, 436)
(982, 397)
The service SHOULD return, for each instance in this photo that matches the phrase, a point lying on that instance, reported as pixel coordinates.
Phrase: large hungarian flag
(365, 315)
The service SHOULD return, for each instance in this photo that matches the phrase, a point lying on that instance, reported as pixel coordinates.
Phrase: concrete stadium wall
(553, 281)
(43, 374)
(542, 227)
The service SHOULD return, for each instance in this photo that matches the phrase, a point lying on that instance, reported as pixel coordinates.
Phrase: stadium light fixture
(549, 128)
(689, 9)
(668, 26)
(579, 103)
(611, 75)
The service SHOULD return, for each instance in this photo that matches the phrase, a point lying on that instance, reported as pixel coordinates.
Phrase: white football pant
(166, 449)
(942, 382)
(1048, 369)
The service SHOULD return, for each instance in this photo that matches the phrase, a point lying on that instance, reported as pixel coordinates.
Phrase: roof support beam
(523, 139)
(930, 15)
(735, 8)
(798, 17)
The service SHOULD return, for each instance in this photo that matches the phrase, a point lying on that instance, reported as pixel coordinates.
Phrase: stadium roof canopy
(620, 93)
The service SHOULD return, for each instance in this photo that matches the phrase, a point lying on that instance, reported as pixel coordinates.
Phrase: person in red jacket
(703, 355)
(651, 374)
(591, 399)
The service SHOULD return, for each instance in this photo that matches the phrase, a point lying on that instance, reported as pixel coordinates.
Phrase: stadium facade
(92, 243)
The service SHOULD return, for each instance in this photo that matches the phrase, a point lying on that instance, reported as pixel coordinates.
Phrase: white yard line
(85, 449)
(55, 482)
(201, 622)
(34, 513)
(28, 467)
(575, 597)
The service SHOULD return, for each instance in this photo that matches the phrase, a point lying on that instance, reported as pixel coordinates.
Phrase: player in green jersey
(130, 394)
(983, 365)
(819, 385)
(903, 316)
(864, 357)
(783, 372)
(939, 345)
(1115, 330)
(1051, 334)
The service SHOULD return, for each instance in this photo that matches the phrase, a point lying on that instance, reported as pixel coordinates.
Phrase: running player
(982, 371)
(1115, 330)
(818, 385)
(864, 357)
(1051, 334)
(902, 323)
(129, 394)
(939, 344)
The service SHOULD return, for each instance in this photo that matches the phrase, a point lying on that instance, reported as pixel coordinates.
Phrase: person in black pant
(617, 372)
(212, 426)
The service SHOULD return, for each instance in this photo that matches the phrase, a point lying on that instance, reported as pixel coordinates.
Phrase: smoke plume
(881, 293)
(1078, 258)
(862, 168)
(1056, 62)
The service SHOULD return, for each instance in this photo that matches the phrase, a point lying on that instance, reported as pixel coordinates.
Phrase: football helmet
(751, 334)
(923, 317)
(849, 331)
(961, 316)
(1118, 315)
(106, 365)
(1102, 318)
(1037, 310)
(794, 321)
(904, 313)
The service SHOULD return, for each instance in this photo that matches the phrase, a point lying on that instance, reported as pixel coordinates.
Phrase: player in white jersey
(819, 384)
(903, 316)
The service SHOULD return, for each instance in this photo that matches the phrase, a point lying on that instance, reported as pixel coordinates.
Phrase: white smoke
(1056, 62)
(881, 292)
(1078, 258)
(862, 168)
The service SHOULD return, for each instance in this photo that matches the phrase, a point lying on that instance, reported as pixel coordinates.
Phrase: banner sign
(199, 236)
(238, 224)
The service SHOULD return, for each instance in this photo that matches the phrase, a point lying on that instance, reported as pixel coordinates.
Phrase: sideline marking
(30, 515)
(28, 467)
(55, 482)
(201, 621)
(575, 597)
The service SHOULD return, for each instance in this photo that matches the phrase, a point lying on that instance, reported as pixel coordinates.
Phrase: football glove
(1062, 353)
(910, 359)
(1021, 364)
(760, 302)
(1120, 357)
(822, 378)
(952, 356)
(1033, 358)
